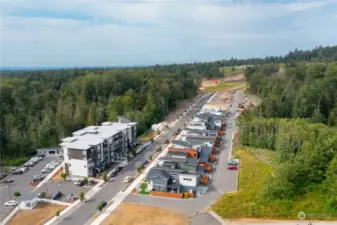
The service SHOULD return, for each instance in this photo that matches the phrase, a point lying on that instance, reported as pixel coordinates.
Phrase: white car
(127, 179)
(11, 203)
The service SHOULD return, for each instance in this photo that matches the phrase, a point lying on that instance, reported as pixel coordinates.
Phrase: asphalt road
(84, 211)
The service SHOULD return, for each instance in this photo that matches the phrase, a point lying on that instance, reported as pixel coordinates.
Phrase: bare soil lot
(42, 213)
(134, 214)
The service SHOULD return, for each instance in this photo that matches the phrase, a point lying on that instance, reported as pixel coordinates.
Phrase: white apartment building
(91, 149)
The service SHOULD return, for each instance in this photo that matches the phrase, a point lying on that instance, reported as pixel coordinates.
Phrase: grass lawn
(246, 202)
(224, 86)
(147, 136)
(134, 214)
(39, 215)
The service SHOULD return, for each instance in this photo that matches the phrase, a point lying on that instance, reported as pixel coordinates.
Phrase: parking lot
(65, 187)
(21, 184)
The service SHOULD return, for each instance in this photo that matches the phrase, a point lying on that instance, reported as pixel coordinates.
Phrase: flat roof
(93, 135)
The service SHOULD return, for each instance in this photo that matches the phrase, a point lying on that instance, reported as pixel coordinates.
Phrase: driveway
(85, 211)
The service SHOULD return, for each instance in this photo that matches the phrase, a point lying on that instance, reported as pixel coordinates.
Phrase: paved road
(84, 211)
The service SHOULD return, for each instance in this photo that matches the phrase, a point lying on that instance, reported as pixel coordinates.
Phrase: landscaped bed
(134, 214)
(39, 215)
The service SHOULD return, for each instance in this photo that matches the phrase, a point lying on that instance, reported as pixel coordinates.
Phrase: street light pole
(9, 191)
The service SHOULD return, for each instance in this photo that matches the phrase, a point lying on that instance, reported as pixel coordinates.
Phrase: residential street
(84, 211)
(223, 180)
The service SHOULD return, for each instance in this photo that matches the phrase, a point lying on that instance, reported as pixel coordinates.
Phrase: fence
(167, 194)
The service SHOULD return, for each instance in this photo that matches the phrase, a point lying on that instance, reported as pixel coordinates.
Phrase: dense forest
(297, 119)
(39, 107)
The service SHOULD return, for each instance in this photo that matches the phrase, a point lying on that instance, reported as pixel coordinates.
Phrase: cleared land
(37, 216)
(132, 214)
(232, 70)
(245, 203)
(147, 136)
(224, 86)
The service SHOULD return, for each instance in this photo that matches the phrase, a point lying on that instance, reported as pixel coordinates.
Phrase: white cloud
(180, 31)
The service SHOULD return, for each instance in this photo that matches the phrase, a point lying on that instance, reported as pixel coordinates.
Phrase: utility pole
(9, 191)
(46, 187)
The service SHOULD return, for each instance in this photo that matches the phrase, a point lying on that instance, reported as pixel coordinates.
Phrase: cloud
(118, 33)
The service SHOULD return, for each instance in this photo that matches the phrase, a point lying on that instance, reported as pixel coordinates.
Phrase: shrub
(150, 157)
(134, 153)
(152, 140)
(17, 194)
(58, 213)
(167, 141)
(159, 149)
(81, 195)
(43, 194)
(105, 177)
(100, 206)
(139, 169)
(85, 180)
(64, 176)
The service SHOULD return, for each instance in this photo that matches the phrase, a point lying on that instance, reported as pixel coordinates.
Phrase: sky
(59, 33)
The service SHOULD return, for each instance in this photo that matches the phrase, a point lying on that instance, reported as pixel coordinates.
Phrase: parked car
(46, 170)
(56, 195)
(145, 162)
(41, 195)
(38, 177)
(28, 164)
(233, 162)
(127, 179)
(232, 167)
(11, 203)
(18, 171)
(23, 169)
(113, 174)
(79, 183)
(6, 181)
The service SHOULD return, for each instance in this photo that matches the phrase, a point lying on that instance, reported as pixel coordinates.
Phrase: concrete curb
(217, 217)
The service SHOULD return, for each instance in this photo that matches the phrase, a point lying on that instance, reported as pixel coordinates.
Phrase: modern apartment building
(91, 149)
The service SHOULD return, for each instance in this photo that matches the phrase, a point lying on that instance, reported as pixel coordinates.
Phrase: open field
(246, 203)
(134, 214)
(37, 216)
(224, 86)
(232, 70)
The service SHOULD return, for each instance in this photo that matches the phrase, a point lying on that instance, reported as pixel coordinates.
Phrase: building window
(187, 179)
(85, 166)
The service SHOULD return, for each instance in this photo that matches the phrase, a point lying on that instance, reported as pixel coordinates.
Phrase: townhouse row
(191, 157)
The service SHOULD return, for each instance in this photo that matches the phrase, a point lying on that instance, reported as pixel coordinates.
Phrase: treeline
(297, 119)
(41, 107)
(300, 90)
(308, 158)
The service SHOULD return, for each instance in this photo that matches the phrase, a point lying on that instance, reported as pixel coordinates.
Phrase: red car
(232, 167)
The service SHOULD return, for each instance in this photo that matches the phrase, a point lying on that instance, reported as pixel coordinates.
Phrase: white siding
(188, 180)
(78, 168)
